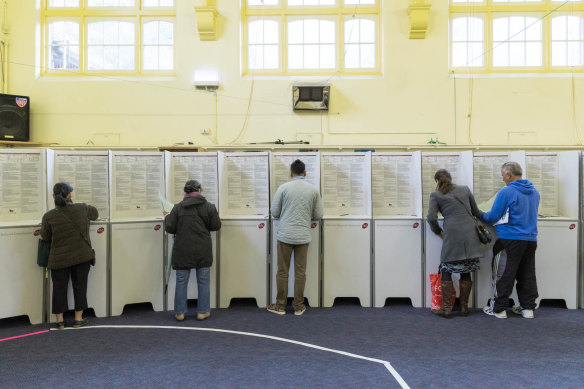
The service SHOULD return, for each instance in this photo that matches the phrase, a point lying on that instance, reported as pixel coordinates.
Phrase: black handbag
(483, 233)
(44, 250)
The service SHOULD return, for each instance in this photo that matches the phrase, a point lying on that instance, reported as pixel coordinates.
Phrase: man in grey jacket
(295, 204)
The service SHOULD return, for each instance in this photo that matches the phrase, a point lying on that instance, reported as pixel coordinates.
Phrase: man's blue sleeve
(498, 209)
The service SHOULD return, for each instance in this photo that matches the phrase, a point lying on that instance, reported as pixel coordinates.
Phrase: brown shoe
(446, 309)
(203, 316)
(179, 316)
(276, 309)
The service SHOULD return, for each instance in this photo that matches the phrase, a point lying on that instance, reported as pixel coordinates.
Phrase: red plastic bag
(436, 288)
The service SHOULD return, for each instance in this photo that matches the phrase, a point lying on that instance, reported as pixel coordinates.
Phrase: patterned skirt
(463, 266)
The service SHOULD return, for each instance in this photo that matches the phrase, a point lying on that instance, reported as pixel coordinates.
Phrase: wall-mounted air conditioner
(311, 96)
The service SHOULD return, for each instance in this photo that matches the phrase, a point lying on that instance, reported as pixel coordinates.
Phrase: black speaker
(14, 117)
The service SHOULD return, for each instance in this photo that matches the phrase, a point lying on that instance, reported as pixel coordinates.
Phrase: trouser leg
(284, 256)
(508, 266)
(300, 257)
(204, 290)
(79, 277)
(526, 279)
(60, 278)
(180, 293)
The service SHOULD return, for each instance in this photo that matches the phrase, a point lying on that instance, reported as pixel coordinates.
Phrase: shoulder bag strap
(466, 209)
(75, 227)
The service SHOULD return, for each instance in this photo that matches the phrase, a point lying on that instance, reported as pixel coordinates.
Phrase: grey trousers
(284, 256)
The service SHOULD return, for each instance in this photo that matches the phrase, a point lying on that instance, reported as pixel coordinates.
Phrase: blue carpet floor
(427, 351)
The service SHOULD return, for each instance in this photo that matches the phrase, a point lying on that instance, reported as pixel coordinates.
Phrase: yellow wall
(412, 102)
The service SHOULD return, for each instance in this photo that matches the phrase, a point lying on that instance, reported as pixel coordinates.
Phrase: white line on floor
(387, 365)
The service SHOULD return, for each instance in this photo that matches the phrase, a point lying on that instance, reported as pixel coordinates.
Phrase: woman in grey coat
(461, 247)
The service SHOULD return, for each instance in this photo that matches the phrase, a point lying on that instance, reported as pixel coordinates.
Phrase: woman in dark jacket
(461, 248)
(67, 228)
(191, 221)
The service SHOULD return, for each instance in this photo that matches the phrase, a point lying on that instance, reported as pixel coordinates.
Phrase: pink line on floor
(22, 336)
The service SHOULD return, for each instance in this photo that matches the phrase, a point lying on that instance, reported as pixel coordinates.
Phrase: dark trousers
(60, 277)
(516, 263)
(284, 256)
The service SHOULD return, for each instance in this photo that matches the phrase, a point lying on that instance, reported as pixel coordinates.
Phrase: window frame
(82, 15)
(339, 12)
(490, 10)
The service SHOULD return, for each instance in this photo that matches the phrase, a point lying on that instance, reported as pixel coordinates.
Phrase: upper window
(533, 36)
(125, 37)
(312, 37)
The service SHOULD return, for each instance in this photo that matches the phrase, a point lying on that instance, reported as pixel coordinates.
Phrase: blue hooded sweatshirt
(522, 200)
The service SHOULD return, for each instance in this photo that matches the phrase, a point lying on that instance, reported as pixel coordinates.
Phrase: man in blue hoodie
(517, 242)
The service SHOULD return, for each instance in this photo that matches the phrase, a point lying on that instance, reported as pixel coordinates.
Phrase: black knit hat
(192, 186)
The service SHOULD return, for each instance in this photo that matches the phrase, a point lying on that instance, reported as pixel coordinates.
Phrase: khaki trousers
(284, 256)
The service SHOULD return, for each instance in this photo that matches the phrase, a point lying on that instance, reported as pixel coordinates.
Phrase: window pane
(64, 32)
(575, 28)
(351, 56)
(459, 29)
(367, 31)
(533, 54)
(459, 51)
(150, 57)
(95, 33)
(327, 56)
(64, 57)
(95, 57)
(533, 31)
(327, 31)
(295, 32)
(255, 32)
(516, 53)
(294, 3)
(368, 56)
(158, 3)
(166, 58)
(360, 2)
(476, 54)
(271, 57)
(271, 32)
(559, 28)
(295, 57)
(257, 3)
(311, 32)
(126, 58)
(255, 57)
(63, 3)
(516, 28)
(352, 31)
(500, 29)
(575, 53)
(501, 54)
(311, 56)
(110, 3)
(150, 31)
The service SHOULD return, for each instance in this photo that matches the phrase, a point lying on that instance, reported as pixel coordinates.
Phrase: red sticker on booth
(100, 230)
(36, 232)
(157, 227)
(313, 225)
(261, 225)
(416, 225)
(572, 226)
(365, 225)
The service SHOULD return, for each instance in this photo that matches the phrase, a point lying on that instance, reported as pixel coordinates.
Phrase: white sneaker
(526, 313)
(489, 311)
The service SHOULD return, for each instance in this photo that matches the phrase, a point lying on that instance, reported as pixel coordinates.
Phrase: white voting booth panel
(243, 268)
(97, 290)
(280, 174)
(244, 209)
(556, 261)
(21, 280)
(460, 167)
(312, 288)
(181, 167)
(137, 264)
(346, 260)
(556, 177)
(192, 291)
(396, 193)
(398, 261)
(487, 181)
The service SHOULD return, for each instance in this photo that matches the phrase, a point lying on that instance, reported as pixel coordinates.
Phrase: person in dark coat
(191, 221)
(461, 247)
(67, 228)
